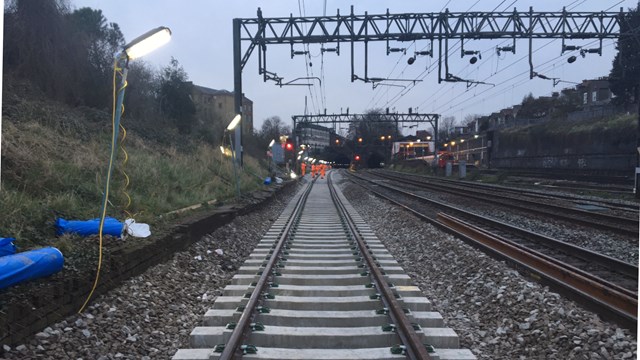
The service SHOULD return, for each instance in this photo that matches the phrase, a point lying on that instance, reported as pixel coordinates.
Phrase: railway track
(320, 285)
(606, 285)
(630, 210)
(620, 225)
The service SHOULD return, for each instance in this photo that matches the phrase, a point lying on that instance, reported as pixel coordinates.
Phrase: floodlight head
(147, 42)
(473, 60)
(234, 122)
(571, 59)
(411, 60)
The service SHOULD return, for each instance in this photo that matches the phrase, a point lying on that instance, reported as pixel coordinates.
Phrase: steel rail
(628, 223)
(414, 347)
(573, 250)
(566, 276)
(534, 193)
(628, 318)
(239, 332)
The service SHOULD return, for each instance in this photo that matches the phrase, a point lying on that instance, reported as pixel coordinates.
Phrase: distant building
(423, 135)
(594, 92)
(458, 130)
(214, 106)
(316, 136)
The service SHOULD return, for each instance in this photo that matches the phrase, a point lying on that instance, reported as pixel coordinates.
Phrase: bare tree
(273, 127)
(445, 127)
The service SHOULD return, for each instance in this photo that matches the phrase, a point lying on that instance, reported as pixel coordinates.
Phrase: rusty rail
(596, 292)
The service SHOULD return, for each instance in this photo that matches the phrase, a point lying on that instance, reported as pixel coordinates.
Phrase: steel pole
(235, 171)
(237, 88)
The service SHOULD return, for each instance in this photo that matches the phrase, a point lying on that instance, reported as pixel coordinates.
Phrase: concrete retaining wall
(599, 148)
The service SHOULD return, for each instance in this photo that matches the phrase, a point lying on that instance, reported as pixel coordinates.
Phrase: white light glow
(234, 122)
(147, 42)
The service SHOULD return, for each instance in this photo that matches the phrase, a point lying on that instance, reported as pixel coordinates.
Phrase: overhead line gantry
(260, 31)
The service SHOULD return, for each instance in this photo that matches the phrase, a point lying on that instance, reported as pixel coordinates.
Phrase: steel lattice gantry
(395, 118)
(260, 31)
(432, 26)
(347, 118)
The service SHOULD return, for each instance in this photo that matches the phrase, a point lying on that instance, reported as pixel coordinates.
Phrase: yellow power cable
(124, 173)
(106, 190)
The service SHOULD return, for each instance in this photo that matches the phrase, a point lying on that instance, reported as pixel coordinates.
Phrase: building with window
(216, 107)
(316, 136)
(594, 92)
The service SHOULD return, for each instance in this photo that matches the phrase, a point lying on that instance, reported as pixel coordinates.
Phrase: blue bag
(7, 247)
(29, 265)
(89, 227)
(267, 181)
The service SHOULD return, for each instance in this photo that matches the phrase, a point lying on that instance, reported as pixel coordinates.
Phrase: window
(594, 96)
(584, 98)
(219, 105)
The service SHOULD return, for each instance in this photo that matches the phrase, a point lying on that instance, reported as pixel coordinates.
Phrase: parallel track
(607, 285)
(620, 225)
(541, 193)
(320, 285)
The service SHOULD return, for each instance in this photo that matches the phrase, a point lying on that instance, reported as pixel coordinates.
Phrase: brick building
(594, 92)
(213, 106)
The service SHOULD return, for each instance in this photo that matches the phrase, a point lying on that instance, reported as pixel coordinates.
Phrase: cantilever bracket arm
(376, 84)
(292, 82)
(473, 82)
(452, 78)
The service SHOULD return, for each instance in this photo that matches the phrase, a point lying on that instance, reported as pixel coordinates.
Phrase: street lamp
(234, 122)
(147, 42)
(270, 154)
(140, 46)
(232, 125)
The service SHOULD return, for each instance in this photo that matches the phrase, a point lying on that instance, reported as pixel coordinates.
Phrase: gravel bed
(551, 195)
(497, 313)
(150, 316)
(605, 242)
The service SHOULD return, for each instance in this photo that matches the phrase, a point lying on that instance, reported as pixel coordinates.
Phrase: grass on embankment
(54, 161)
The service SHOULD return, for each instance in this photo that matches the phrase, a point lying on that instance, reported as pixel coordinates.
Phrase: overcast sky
(202, 43)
